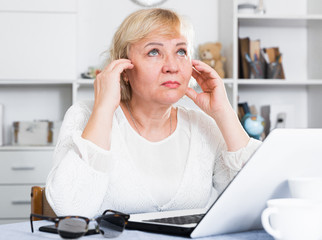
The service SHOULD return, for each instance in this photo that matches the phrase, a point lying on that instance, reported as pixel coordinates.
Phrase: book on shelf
(258, 63)
(254, 49)
(244, 49)
(243, 109)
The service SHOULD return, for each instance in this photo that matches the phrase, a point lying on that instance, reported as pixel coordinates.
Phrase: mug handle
(266, 222)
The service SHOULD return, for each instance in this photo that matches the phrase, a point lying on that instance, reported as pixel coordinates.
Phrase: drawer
(25, 167)
(15, 201)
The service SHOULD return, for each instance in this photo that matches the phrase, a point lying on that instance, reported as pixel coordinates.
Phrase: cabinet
(296, 28)
(21, 168)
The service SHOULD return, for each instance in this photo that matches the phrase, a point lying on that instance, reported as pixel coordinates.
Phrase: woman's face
(162, 69)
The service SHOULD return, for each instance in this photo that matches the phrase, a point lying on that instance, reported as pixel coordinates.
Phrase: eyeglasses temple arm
(31, 224)
(52, 219)
(126, 216)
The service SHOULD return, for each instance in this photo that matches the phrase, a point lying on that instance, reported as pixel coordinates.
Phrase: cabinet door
(25, 167)
(15, 201)
(37, 45)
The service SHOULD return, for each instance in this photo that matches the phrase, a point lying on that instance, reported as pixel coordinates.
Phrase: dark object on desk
(52, 229)
(110, 224)
(86, 76)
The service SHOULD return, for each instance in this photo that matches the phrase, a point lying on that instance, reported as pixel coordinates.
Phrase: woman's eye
(153, 53)
(182, 52)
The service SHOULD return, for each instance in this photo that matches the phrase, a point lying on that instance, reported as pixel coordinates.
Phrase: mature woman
(132, 150)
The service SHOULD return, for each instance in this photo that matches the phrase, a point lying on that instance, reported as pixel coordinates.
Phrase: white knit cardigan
(86, 179)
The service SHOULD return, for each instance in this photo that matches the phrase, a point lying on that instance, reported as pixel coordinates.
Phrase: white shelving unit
(296, 28)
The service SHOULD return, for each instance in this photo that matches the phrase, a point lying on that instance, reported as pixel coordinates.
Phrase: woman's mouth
(171, 84)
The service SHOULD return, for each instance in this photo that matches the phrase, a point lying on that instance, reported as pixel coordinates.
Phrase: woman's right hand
(107, 89)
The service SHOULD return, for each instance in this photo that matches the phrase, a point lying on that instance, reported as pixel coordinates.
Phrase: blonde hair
(138, 26)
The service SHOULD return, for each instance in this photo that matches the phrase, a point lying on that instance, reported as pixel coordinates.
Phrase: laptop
(285, 153)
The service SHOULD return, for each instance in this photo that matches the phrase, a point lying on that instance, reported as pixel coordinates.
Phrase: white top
(161, 163)
(186, 170)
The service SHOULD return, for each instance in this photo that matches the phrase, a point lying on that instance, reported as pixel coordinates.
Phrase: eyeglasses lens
(71, 228)
(111, 226)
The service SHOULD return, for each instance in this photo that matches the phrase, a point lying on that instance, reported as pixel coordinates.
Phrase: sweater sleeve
(227, 164)
(236, 160)
(80, 169)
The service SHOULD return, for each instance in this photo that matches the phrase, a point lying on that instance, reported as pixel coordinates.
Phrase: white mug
(292, 219)
(306, 187)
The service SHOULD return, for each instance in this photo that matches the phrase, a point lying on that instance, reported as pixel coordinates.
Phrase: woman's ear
(125, 77)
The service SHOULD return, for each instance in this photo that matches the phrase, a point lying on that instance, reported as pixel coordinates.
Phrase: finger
(205, 69)
(110, 66)
(192, 94)
(200, 64)
(201, 79)
(121, 66)
(116, 71)
(197, 75)
(95, 87)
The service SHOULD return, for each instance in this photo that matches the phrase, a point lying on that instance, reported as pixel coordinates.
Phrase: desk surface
(22, 231)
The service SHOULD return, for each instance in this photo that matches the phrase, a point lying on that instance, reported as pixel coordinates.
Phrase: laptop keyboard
(180, 220)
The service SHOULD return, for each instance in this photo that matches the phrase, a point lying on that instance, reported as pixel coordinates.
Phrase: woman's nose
(170, 65)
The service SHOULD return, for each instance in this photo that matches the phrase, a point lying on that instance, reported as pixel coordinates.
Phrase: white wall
(47, 35)
(99, 19)
(38, 39)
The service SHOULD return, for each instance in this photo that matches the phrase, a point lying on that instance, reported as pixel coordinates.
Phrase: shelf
(228, 80)
(82, 81)
(277, 82)
(36, 82)
(28, 148)
(280, 17)
(277, 20)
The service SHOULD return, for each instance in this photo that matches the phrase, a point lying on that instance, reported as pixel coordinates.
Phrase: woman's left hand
(213, 99)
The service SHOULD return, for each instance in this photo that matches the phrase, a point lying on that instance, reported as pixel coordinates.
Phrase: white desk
(22, 231)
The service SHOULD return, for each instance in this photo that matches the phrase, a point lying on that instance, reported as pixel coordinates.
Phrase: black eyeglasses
(111, 224)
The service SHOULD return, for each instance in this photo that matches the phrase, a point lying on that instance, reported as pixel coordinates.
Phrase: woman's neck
(151, 121)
